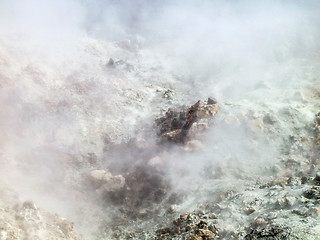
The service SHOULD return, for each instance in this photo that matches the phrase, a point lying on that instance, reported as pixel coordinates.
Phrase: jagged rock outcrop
(176, 124)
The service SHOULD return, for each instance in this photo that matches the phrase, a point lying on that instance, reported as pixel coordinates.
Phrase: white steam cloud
(58, 99)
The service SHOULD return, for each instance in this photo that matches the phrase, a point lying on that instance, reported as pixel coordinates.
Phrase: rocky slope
(140, 139)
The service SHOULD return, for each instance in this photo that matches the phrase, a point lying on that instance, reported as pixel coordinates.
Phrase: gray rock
(281, 203)
(290, 201)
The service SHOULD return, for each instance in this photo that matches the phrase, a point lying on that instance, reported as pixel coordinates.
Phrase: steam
(58, 97)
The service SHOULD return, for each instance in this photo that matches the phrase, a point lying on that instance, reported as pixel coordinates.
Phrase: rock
(162, 231)
(211, 101)
(153, 162)
(97, 175)
(302, 211)
(313, 193)
(294, 181)
(172, 208)
(314, 212)
(168, 94)
(173, 136)
(204, 234)
(268, 232)
(113, 183)
(316, 179)
(281, 203)
(193, 145)
(110, 62)
(250, 210)
(260, 221)
(268, 119)
(199, 126)
(30, 205)
(290, 201)
(175, 125)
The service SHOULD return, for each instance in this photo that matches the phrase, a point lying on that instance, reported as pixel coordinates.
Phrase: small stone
(193, 145)
(110, 62)
(155, 161)
(290, 201)
(97, 175)
(281, 203)
(282, 181)
(294, 181)
(212, 101)
(314, 212)
(269, 119)
(213, 228)
(201, 213)
(276, 168)
(176, 230)
(172, 208)
(313, 193)
(202, 225)
(114, 183)
(163, 231)
(316, 180)
(213, 216)
(260, 221)
(30, 205)
(250, 210)
(168, 94)
(300, 211)
(142, 213)
(204, 233)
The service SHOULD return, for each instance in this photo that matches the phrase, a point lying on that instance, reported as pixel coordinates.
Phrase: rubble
(188, 226)
(27, 221)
